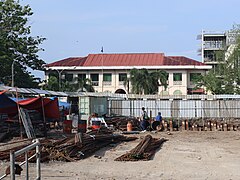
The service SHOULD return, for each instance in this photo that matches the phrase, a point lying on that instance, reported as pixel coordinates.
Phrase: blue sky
(76, 28)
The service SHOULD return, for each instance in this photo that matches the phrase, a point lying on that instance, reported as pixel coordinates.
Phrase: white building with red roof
(108, 71)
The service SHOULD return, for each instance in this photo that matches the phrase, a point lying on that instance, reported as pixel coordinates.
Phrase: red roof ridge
(127, 59)
(126, 53)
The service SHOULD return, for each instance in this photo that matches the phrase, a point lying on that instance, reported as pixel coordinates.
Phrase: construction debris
(120, 123)
(144, 150)
(71, 148)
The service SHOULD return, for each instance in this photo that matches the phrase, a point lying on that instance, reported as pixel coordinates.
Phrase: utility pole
(102, 66)
(59, 79)
(13, 73)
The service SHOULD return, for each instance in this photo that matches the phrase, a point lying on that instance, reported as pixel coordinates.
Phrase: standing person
(144, 120)
(142, 113)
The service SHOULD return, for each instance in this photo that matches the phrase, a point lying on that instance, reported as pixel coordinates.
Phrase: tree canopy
(144, 81)
(77, 85)
(18, 48)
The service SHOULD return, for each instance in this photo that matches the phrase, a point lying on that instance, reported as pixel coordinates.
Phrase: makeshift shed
(90, 104)
(40, 104)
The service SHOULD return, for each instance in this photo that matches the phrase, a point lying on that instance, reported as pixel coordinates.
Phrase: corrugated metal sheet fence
(178, 108)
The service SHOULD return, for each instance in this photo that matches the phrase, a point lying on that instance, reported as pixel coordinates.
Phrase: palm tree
(145, 82)
(161, 76)
(137, 81)
(52, 84)
(83, 85)
(126, 84)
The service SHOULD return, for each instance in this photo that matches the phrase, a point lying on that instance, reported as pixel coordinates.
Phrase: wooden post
(186, 125)
(170, 125)
(44, 119)
(235, 127)
(209, 125)
(214, 126)
(221, 127)
(217, 126)
(183, 125)
(165, 126)
(225, 127)
(195, 127)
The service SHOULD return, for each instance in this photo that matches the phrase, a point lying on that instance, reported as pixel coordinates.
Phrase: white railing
(107, 83)
(95, 83)
(121, 83)
(25, 150)
(177, 82)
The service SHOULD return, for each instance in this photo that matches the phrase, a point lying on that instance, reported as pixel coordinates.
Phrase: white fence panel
(187, 109)
(178, 108)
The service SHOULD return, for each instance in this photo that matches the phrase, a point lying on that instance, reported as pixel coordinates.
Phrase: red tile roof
(133, 59)
(185, 61)
(72, 61)
(128, 59)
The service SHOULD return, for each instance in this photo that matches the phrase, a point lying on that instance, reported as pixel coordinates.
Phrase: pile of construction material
(144, 150)
(120, 123)
(205, 124)
(71, 148)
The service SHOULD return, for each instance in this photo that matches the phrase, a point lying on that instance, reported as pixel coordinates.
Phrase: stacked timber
(144, 150)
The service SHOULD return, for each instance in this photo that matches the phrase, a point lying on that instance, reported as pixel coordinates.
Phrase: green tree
(144, 81)
(78, 84)
(83, 84)
(52, 84)
(17, 46)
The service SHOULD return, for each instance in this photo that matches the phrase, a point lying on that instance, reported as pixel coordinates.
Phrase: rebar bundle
(144, 150)
(71, 148)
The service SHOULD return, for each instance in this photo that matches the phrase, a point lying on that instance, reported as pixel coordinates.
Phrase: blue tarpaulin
(62, 104)
(6, 102)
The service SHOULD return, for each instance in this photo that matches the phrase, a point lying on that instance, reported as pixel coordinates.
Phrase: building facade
(213, 43)
(109, 71)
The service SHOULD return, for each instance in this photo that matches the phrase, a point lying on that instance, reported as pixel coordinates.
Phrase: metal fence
(177, 108)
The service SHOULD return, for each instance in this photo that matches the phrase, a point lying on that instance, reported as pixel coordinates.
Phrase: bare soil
(186, 155)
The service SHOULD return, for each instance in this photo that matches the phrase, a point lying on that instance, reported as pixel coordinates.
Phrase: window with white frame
(95, 79)
(122, 77)
(107, 78)
(177, 78)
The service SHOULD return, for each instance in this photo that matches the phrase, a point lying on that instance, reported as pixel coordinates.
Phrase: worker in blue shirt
(159, 117)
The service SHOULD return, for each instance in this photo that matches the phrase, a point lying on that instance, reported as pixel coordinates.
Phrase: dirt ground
(186, 155)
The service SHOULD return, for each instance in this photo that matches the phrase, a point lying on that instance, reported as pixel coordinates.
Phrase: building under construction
(216, 46)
